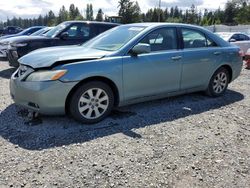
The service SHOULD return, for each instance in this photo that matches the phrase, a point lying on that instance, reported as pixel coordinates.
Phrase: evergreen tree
(192, 15)
(63, 15)
(99, 16)
(176, 12)
(129, 11)
(89, 12)
(243, 14)
(72, 12)
(166, 14)
(230, 12)
(171, 12)
(51, 19)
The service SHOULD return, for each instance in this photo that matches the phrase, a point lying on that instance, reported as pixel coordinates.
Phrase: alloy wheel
(220, 82)
(93, 103)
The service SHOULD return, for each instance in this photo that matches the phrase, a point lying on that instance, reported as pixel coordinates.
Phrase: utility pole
(159, 11)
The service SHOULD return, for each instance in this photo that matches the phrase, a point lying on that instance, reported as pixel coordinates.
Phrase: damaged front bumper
(45, 97)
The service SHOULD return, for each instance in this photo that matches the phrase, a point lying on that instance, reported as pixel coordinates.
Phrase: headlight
(18, 44)
(46, 75)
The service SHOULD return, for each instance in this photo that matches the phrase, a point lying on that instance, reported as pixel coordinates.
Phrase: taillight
(241, 53)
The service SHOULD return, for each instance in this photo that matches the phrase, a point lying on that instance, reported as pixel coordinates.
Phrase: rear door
(200, 56)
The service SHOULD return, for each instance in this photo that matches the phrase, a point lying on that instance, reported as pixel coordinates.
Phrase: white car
(239, 39)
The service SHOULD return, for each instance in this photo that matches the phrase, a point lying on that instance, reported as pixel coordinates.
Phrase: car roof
(92, 22)
(155, 24)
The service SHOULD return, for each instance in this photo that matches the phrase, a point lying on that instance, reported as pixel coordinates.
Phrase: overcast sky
(32, 8)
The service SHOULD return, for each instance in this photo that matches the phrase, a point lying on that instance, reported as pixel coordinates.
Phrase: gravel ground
(185, 141)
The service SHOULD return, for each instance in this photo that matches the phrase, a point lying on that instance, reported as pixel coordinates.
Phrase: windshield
(53, 32)
(24, 32)
(114, 39)
(40, 32)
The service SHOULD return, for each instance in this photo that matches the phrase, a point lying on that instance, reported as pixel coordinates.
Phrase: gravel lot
(185, 141)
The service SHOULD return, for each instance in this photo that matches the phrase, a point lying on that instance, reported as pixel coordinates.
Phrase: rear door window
(196, 39)
(243, 37)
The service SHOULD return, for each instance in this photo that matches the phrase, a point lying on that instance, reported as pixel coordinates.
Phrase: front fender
(110, 68)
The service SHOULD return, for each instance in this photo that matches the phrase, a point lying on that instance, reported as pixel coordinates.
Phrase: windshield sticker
(135, 28)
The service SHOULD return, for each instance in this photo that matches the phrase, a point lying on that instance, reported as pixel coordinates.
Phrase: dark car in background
(27, 31)
(4, 43)
(66, 33)
(10, 30)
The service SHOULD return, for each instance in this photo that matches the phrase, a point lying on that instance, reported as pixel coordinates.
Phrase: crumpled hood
(46, 57)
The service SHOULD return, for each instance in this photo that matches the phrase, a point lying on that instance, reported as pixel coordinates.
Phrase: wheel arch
(229, 69)
(105, 80)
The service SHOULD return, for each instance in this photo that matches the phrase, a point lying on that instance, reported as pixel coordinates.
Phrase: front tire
(218, 83)
(91, 102)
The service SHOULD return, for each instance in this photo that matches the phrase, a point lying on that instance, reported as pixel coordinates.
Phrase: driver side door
(154, 73)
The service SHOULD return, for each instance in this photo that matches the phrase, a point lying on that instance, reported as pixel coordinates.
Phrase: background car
(127, 64)
(27, 31)
(10, 30)
(4, 43)
(67, 33)
(239, 39)
(233, 36)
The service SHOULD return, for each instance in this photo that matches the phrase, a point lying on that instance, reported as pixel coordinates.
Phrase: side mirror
(64, 35)
(141, 48)
(232, 40)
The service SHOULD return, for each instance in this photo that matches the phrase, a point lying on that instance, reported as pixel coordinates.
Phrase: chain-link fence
(224, 28)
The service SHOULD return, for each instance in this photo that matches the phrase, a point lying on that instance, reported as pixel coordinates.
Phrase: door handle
(175, 58)
(217, 53)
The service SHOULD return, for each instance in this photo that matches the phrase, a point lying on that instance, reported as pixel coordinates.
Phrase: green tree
(230, 13)
(192, 15)
(99, 16)
(129, 11)
(243, 14)
(89, 12)
(74, 13)
(166, 13)
(51, 19)
(63, 15)
(176, 12)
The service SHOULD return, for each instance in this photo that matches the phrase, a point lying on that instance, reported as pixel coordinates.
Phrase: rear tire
(218, 83)
(91, 102)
